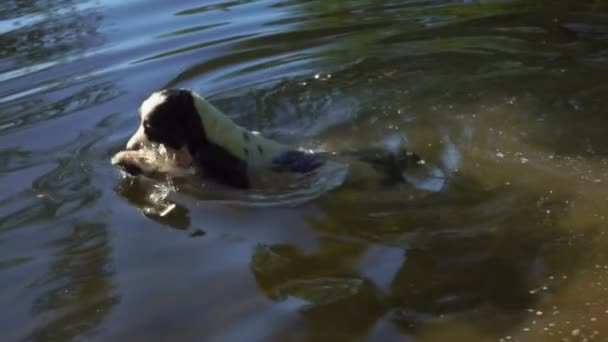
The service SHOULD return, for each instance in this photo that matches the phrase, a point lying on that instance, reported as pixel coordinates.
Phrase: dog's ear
(195, 135)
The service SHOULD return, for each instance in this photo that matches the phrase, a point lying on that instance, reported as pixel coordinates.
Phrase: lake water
(505, 100)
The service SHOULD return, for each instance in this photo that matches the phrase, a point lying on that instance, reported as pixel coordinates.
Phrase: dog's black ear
(195, 135)
(168, 122)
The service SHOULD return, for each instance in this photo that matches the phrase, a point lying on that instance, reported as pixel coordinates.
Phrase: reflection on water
(503, 241)
(78, 290)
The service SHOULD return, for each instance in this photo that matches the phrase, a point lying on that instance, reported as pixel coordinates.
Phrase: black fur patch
(176, 123)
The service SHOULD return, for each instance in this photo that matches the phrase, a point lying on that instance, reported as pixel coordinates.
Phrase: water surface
(504, 99)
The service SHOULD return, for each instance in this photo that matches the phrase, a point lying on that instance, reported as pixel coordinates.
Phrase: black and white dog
(199, 136)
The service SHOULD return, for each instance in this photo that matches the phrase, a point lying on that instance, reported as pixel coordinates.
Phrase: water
(503, 99)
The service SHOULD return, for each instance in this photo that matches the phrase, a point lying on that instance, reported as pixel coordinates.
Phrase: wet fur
(186, 125)
(196, 135)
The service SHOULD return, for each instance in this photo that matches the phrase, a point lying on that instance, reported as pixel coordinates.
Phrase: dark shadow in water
(223, 5)
(467, 255)
(59, 205)
(77, 291)
(339, 301)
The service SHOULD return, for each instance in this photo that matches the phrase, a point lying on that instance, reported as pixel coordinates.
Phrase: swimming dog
(197, 135)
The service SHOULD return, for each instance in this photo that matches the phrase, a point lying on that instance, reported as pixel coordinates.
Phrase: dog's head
(169, 130)
(169, 118)
(173, 118)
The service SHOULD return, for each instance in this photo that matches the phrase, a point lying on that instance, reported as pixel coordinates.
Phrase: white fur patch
(150, 103)
(251, 147)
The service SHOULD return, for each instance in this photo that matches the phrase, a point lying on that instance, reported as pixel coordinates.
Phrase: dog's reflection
(152, 198)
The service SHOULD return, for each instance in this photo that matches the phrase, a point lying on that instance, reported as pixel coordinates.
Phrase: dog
(198, 137)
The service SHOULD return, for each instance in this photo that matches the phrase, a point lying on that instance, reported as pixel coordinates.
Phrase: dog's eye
(150, 130)
(156, 135)
(161, 134)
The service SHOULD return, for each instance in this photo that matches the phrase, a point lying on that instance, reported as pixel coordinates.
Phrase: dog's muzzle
(138, 140)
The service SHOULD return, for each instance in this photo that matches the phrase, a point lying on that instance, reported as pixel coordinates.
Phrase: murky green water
(506, 99)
